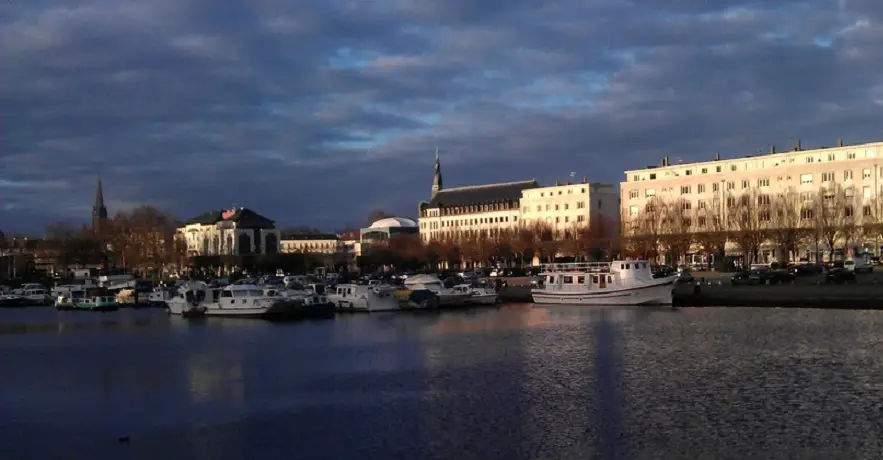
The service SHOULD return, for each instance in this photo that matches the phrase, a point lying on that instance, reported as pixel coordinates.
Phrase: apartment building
(857, 169)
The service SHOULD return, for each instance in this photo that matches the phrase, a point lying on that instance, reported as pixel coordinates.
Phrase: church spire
(99, 211)
(437, 178)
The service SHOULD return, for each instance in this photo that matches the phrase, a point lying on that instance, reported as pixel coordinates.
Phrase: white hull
(651, 294)
(485, 299)
(179, 306)
(451, 300)
(369, 304)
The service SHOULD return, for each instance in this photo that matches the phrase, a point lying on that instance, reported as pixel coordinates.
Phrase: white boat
(312, 298)
(192, 299)
(446, 296)
(355, 297)
(159, 297)
(478, 295)
(36, 296)
(69, 300)
(621, 282)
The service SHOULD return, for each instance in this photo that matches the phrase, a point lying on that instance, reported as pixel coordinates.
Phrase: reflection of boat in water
(621, 282)
(355, 297)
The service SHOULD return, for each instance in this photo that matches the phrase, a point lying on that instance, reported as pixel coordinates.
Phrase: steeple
(437, 178)
(99, 212)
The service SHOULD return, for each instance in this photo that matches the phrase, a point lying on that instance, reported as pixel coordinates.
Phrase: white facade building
(235, 231)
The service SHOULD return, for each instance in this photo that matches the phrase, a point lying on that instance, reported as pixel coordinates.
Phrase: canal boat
(447, 297)
(621, 282)
(97, 303)
(478, 295)
(355, 297)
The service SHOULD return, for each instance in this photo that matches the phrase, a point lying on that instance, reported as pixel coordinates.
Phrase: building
(320, 243)
(384, 229)
(234, 231)
(99, 211)
(773, 185)
(494, 208)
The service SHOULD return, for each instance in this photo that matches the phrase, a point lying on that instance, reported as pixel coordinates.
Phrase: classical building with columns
(234, 231)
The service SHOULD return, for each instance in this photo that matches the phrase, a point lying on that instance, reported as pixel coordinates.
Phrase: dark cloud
(316, 112)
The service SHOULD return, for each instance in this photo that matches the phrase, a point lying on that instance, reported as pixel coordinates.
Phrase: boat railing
(576, 267)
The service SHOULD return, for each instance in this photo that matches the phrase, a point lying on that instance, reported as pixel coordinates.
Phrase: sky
(314, 113)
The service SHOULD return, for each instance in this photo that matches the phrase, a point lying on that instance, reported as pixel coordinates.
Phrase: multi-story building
(319, 243)
(710, 188)
(235, 231)
(492, 208)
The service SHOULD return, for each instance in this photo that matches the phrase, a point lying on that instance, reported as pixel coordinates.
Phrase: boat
(478, 295)
(447, 297)
(621, 282)
(97, 303)
(420, 299)
(312, 300)
(192, 299)
(159, 297)
(356, 297)
(36, 296)
(68, 301)
(12, 300)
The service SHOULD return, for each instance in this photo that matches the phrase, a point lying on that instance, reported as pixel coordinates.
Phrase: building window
(810, 159)
(633, 211)
(806, 178)
(847, 175)
(652, 176)
(763, 182)
(688, 172)
(566, 206)
(734, 167)
(866, 173)
(731, 201)
(582, 204)
(831, 157)
(704, 170)
(649, 192)
(633, 194)
(700, 188)
(731, 185)
(806, 213)
(701, 204)
(718, 169)
(764, 216)
(850, 156)
(828, 177)
(745, 184)
(686, 205)
(685, 189)
(763, 200)
(866, 210)
(848, 212)
(714, 187)
(582, 218)
(866, 192)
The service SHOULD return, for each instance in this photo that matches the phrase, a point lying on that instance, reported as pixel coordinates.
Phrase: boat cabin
(594, 275)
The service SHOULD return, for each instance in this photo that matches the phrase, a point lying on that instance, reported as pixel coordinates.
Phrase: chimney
(717, 156)
(557, 183)
(798, 146)
(840, 142)
(773, 148)
(585, 180)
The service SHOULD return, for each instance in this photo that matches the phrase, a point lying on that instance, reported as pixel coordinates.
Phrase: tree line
(140, 240)
(826, 218)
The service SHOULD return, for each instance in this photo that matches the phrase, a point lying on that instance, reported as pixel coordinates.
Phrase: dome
(393, 222)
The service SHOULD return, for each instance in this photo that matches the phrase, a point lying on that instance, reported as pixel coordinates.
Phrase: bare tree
(645, 229)
(829, 209)
(677, 229)
(850, 224)
(785, 229)
(749, 216)
(710, 232)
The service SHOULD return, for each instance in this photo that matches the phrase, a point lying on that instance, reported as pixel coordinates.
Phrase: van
(858, 266)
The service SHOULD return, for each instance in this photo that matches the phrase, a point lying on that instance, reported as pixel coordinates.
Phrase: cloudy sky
(315, 112)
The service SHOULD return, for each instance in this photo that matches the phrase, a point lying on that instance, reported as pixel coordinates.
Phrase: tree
(786, 229)
(676, 232)
(520, 242)
(646, 228)
(59, 231)
(829, 209)
(710, 231)
(749, 216)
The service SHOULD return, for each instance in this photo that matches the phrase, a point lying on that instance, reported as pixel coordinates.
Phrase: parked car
(858, 266)
(684, 275)
(742, 278)
(805, 269)
(840, 276)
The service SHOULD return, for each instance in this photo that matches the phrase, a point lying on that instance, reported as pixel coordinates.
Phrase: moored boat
(96, 303)
(621, 282)
(478, 295)
(446, 296)
(355, 297)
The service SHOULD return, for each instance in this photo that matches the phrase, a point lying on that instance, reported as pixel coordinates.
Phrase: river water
(516, 382)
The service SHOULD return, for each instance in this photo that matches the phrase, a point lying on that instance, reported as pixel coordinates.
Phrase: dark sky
(316, 112)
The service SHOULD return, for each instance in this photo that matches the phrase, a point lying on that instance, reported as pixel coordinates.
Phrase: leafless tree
(710, 232)
(829, 209)
(748, 217)
(677, 228)
(786, 229)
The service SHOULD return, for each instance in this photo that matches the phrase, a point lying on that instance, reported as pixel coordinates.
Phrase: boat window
(226, 293)
(254, 293)
(609, 279)
(349, 291)
(551, 279)
(594, 279)
(567, 280)
(628, 266)
(581, 280)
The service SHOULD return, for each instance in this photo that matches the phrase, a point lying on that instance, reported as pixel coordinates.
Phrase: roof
(389, 222)
(481, 194)
(308, 237)
(244, 218)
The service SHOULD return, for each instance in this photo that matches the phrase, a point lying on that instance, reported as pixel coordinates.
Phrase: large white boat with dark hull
(238, 301)
(621, 282)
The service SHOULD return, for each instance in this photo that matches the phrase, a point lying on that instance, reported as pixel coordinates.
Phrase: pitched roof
(481, 194)
(244, 218)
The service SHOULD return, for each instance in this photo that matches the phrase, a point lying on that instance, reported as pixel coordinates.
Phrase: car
(840, 276)
(805, 269)
(858, 266)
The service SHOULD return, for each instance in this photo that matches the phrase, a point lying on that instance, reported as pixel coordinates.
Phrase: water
(519, 382)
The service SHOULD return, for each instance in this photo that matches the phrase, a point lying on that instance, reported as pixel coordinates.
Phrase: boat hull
(483, 299)
(652, 294)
